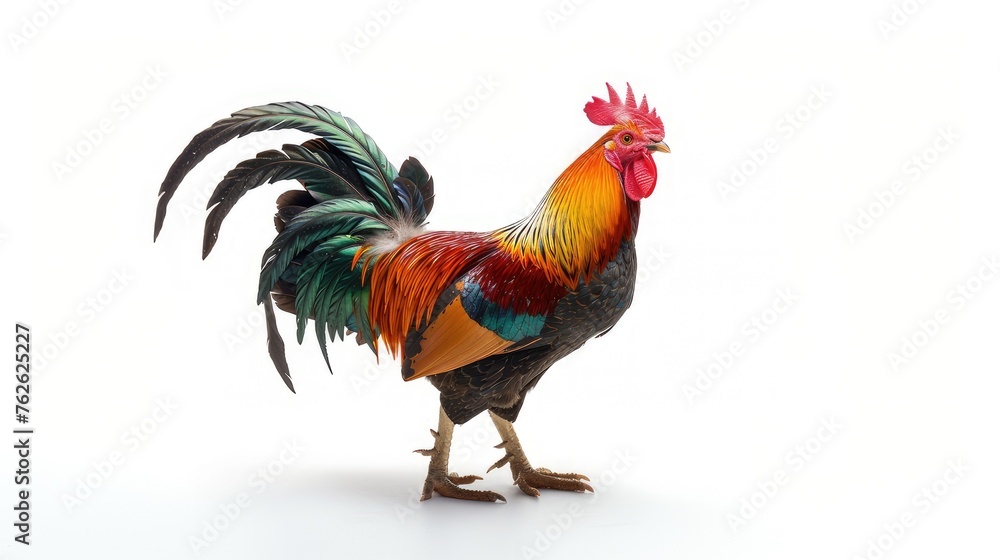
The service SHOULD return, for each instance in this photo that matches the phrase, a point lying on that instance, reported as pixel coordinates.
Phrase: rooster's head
(637, 132)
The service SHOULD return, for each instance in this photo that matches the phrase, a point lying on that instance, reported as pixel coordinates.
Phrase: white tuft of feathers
(400, 232)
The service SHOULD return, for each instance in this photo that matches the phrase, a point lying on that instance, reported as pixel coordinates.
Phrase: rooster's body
(482, 315)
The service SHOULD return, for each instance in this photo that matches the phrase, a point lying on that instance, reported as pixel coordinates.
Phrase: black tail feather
(276, 346)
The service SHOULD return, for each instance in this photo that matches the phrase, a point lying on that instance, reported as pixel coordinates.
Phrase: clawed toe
(448, 486)
(574, 476)
(467, 479)
(530, 480)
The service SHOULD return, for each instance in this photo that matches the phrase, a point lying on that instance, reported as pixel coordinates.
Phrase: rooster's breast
(596, 306)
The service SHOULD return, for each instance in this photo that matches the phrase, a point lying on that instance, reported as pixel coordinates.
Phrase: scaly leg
(529, 479)
(438, 478)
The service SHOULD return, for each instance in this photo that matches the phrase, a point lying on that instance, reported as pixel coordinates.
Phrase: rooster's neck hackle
(579, 225)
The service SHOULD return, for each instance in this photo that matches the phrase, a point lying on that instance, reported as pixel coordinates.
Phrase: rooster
(482, 316)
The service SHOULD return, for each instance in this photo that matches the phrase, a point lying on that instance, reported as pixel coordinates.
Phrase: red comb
(613, 111)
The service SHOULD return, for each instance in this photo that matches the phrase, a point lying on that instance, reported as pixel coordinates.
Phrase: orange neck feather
(579, 224)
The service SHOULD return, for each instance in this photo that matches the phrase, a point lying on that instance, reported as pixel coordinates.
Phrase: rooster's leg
(438, 478)
(527, 478)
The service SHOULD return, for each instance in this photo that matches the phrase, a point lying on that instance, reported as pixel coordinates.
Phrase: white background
(186, 333)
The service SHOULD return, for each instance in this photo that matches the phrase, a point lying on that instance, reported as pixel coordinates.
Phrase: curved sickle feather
(342, 132)
(323, 174)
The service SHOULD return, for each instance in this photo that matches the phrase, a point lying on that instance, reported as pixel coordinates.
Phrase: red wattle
(640, 177)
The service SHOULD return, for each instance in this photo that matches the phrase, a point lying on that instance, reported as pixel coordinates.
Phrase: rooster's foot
(439, 480)
(449, 486)
(526, 477)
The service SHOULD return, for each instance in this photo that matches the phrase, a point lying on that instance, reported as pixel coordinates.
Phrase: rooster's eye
(627, 139)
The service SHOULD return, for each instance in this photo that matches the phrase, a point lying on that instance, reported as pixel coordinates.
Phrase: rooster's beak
(659, 147)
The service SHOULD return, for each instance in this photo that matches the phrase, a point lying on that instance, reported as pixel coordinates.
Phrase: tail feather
(341, 132)
(355, 219)
(291, 204)
(353, 199)
(414, 190)
(325, 175)
(276, 347)
(283, 295)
